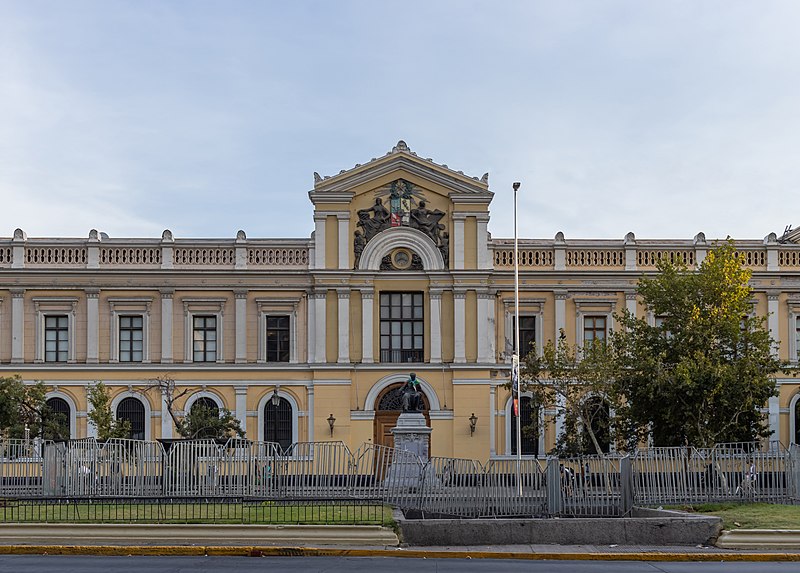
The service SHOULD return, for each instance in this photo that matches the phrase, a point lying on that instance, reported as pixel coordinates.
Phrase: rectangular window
(527, 334)
(56, 338)
(131, 338)
(797, 337)
(278, 339)
(205, 339)
(402, 327)
(594, 328)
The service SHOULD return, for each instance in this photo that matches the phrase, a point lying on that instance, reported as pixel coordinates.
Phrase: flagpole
(515, 358)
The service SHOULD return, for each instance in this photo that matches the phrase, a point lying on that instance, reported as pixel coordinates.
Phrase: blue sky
(664, 118)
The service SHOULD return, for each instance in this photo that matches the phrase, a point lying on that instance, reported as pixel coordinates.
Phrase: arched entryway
(388, 408)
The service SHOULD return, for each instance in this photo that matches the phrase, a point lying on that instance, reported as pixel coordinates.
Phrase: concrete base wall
(566, 531)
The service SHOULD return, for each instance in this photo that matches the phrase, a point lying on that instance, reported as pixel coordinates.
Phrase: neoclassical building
(309, 339)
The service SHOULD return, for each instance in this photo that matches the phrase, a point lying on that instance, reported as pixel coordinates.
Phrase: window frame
(205, 329)
(135, 306)
(203, 307)
(268, 307)
(528, 307)
(418, 352)
(73, 411)
(593, 307)
(510, 427)
(51, 306)
(296, 413)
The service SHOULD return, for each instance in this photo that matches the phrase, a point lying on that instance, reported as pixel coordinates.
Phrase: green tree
(578, 384)
(702, 374)
(100, 415)
(199, 421)
(24, 406)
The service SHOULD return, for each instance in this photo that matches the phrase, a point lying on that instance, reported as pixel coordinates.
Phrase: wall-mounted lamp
(473, 421)
(276, 400)
(331, 422)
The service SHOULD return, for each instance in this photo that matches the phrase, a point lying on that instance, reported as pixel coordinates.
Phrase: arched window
(206, 403)
(132, 409)
(796, 414)
(278, 422)
(57, 421)
(529, 419)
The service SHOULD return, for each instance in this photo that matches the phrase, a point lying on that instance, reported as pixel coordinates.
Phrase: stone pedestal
(411, 437)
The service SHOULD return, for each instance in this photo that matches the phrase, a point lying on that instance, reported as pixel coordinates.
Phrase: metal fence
(438, 487)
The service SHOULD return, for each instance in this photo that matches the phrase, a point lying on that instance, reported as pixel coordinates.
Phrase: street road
(88, 564)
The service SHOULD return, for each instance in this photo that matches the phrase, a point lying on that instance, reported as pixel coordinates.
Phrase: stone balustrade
(100, 252)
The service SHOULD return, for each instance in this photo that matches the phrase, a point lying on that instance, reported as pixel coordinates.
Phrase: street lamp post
(515, 387)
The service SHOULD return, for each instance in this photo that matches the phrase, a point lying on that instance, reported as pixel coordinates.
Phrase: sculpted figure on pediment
(374, 219)
(427, 221)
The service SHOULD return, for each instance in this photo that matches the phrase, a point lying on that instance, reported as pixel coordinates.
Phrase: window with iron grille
(57, 423)
(594, 329)
(278, 423)
(527, 334)
(402, 327)
(528, 416)
(278, 338)
(56, 338)
(131, 338)
(132, 410)
(205, 338)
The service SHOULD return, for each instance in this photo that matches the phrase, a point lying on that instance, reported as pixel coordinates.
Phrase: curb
(152, 535)
(247, 551)
(759, 539)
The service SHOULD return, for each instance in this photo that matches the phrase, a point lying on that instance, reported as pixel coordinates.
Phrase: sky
(665, 118)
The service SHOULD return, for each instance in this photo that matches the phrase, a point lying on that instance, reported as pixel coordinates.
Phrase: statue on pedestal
(412, 397)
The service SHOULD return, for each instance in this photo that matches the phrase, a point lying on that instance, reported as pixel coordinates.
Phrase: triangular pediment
(400, 163)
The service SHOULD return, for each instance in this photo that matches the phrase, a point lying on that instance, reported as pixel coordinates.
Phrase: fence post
(554, 501)
(793, 473)
(627, 494)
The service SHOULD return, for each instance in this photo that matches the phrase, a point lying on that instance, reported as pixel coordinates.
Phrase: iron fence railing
(439, 487)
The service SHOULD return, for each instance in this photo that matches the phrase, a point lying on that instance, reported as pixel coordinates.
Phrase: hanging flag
(516, 407)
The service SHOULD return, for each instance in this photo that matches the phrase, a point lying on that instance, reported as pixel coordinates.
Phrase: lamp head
(516, 185)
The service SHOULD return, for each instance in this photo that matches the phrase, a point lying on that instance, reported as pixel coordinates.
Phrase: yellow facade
(326, 292)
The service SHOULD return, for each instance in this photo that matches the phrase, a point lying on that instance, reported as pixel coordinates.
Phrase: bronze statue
(427, 221)
(412, 397)
(379, 221)
(358, 246)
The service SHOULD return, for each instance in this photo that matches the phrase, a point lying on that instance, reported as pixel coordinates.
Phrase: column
(560, 404)
(344, 240)
(492, 418)
(436, 326)
(630, 302)
(310, 412)
(311, 329)
(319, 241)
(241, 405)
(320, 300)
(772, 321)
(458, 240)
(344, 325)
(92, 325)
(774, 419)
(166, 419)
(486, 327)
(459, 327)
(367, 306)
(17, 326)
(484, 254)
(241, 326)
(166, 326)
(561, 313)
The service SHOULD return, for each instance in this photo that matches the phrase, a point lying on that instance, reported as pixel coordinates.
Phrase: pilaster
(772, 320)
(344, 325)
(367, 319)
(484, 254)
(241, 405)
(92, 325)
(459, 326)
(241, 326)
(319, 241)
(458, 240)
(486, 327)
(561, 314)
(343, 220)
(436, 325)
(166, 326)
(17, 326)
(320, 326)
